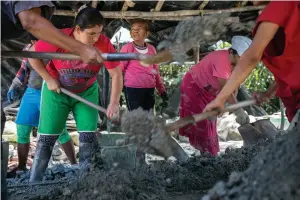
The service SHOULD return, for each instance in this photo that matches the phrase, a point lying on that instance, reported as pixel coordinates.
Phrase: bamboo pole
(172, 15)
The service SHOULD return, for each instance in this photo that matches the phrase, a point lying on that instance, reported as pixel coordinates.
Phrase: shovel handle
(202, 116)
(79, 98)
(68, 56)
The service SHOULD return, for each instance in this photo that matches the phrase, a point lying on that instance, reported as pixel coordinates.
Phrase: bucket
(117, 156)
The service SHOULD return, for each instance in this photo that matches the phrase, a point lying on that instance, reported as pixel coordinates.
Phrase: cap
(240, 44)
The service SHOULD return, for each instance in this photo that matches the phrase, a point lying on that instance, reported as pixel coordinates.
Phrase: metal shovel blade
(259, 130)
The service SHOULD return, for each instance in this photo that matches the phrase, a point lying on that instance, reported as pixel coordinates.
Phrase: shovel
(257, 131)
(79, 98)
(68, 56)
(159, 141)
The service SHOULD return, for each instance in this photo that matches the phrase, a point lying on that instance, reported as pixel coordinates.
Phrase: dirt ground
(159, 180)
(273, 174)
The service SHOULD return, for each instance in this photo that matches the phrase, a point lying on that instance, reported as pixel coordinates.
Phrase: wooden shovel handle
(202, 116)
(79, 98)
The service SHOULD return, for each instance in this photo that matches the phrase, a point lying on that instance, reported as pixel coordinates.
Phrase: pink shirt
(75, 75)
(213, 66)
(138, 76)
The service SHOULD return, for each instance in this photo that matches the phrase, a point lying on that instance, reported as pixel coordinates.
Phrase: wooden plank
(159, 5)
(203, 4)
(174, 15)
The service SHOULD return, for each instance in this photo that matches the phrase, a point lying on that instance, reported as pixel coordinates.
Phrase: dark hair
(88, 17)
(142, 21)
(233, 51)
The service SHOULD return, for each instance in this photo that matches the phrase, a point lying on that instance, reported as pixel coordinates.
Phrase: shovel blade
(259, 130)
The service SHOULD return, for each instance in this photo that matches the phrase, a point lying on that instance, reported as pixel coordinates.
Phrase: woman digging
(29, 112)
(201, 85)
(79, 78)
(276, 41)
(140, 81)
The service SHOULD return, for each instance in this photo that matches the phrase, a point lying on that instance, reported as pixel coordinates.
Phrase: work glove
(241, 117)
(165, 99)
(11, 91)
(11, 95)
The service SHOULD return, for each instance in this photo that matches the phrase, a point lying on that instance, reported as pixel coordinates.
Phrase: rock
(227, 128)
(183, 139)
(10, 128)
(75, 137)
(57, 151)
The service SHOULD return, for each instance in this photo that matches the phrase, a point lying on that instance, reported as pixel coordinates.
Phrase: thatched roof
(164, 16)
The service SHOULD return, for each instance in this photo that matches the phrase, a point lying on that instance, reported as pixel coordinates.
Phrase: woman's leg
(148, 98)
(202, 135)
(67, 144)
(54, 112)
(86, 121)
(134, 98)
(27, 118)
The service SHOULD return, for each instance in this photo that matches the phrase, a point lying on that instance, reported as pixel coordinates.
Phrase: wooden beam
(203, 4)
(174, 15)
(94, 3)
(127, 4)
(159, 5)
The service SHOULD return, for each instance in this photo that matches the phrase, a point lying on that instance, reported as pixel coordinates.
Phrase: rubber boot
(40, 163)
(70, 151)
(86, 153)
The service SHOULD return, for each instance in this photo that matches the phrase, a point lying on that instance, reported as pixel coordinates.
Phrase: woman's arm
(40, 68)
(33, 22)
(231, 99)
(116, 89)
(246, 64)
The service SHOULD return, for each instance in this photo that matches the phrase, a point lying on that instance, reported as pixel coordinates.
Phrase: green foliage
(172, 75)
(259, 81)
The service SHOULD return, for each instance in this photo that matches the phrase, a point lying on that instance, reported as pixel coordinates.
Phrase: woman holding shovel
(79, 78)
(276, 42)
(201, 85)
(28, 115)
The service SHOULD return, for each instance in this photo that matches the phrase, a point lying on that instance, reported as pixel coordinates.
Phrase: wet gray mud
(200, 30)
(273, 174)
(159, 180)
(147, 131)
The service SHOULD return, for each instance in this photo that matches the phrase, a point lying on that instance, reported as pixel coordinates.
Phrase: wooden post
(196, 54)
(94, 3)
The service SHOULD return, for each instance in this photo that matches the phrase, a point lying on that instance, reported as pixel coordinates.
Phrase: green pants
(23, 132)
(55, 109)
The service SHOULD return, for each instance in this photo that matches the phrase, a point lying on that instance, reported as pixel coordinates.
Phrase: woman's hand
(216, 104)
(53, 85)
(90, 54)
(113, 111)
(261, 97)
